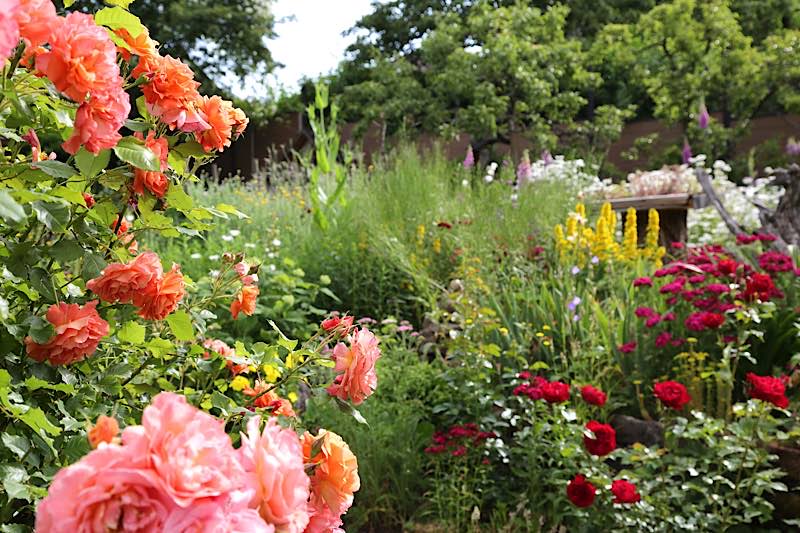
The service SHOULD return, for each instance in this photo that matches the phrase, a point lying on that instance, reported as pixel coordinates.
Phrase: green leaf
(68, 3)
(37, 421)
(137, 125)
(17, 444)
(131, 332)
(91, 165)
(177, 198)
(181, 325)
(118, 18)
(39, 330)
(54, 216)
(225, 208)
(41, 280)
(14, 478)
(10, 209)
(283, 340)
(93, 264)
(33, 383)
(190, 149)
(133, 151)
(56, 169)
(352, 411)
(65, 251)
(160, 347)
(121, 3)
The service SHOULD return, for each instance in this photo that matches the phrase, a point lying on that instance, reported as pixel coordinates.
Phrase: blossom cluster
(178, 471)
(458, 439)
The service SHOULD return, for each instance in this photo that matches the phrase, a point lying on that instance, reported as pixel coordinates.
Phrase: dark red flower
(645, 312)
(593, 396)
(672, 394)
(604, 440)
(624, 492)
(652, 321)
(555, 392)
(703, 320)
(673, 287)
(727, 267)
(436, 449)
(445, 225)
(663, 339)
(762, 287)
(89, 199)
(627, 347)
(458, 452)
(775, 262)
(580, 492)
(643, 282)
(745, 239)
(524, 375)
(768, 388)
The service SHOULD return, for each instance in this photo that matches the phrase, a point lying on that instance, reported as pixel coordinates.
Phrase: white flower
(488, 178)
(234, 233)
(271, 255)
(272, 268)
(214, 257)
(249, 245)
(227, 238)
(276, 243)
(196, 256)
(465, 183)
(74, 291)
(213, 273)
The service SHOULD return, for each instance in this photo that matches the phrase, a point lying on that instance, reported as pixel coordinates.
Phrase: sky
(310, 43)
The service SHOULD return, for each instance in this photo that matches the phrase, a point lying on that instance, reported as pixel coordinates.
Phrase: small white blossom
(196, 256)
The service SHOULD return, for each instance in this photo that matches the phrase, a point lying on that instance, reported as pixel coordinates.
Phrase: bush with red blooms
(99, 133)
(581, 492)
(672, 394)
(460, 439)
(600, 439)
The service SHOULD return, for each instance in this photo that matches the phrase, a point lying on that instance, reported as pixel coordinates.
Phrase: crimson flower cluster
(457, 439)
(582, 493)
(769, 389)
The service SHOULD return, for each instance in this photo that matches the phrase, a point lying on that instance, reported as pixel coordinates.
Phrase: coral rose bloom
(123, 282)
(214, 516)
(97, 122)
(9, 28)
(155, 182)
(105, 430)
(225, 122)
(273, 460)
(245, 301)
(323, 520)
(78, 331)
(160, 299)
(110, 489)
(82, 59)
(335, 476)
(141, 45)
(36, 20)
(171, 94)
(188, 449)
(269, 400)
(358, 364)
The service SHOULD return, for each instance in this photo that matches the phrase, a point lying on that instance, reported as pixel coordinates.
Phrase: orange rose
(142, 46)
(78, 331)
(334, 477)
(225, 121)
(36, 19)
(162, 298)
(155, 182)
(123, 282)
(245, 301)
(105, 430)
(269, 400)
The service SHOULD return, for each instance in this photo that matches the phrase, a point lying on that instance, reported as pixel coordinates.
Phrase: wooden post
(673, 211)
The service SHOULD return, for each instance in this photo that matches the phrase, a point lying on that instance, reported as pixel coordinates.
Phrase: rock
(631, 430)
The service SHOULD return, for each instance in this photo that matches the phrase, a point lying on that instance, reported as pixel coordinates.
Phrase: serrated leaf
(10, 209)
(16, 444)
(131, 332)
(137, 125)
(93, 264)
(41, 280)
(91, 165)
(56, 169)
(54, 216)
(160, 347)
(33, 383)
(178, 199)
(66, 250)
(134, 152)
(181, 325)
(118, 18)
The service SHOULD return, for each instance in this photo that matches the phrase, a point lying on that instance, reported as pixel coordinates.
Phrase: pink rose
(188, 449)
(111, 489)
(273, 461)
(357, 362)
(9, 28)
(213, 516)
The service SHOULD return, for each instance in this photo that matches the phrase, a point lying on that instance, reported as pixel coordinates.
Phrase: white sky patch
(309, 43)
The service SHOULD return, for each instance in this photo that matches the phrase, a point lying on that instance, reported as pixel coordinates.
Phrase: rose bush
(99, 134)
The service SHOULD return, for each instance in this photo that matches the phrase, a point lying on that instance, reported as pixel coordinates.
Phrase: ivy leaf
(131, 332)
(91, 165)
(56, 169)
(181, 325)
(133, 151)
(54, 216)
(10, 209)
(119, 18)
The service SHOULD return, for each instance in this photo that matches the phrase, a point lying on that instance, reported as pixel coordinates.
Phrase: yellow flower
(292, 397)
(239, 383)
(437, 246)
(271, 373)
(546, 327)
(630, 236)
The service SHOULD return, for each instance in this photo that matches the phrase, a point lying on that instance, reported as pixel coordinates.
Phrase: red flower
(555, 392)
(727, 267)
(624, 492)
(703, 320)
(593, 396)
(524, 375)
(580, 492)
(769, 389)
(672, 394)
(445, 225)
(663, 339)
(335, 322)
(89, 200)
(775, 262)
(604, 441)
(645, 312)
(762, 287)
(643, 282)
(458, 452)
(627, 347)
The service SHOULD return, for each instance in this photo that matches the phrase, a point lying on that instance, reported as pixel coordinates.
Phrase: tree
(216, 37)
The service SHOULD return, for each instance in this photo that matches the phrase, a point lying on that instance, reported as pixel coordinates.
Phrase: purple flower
(703, 117)
(547, 157)
(686, 153)
(575, 270)
(524, 172)
(595, 259)
(792, 147)
(469, 160)
(574, 303)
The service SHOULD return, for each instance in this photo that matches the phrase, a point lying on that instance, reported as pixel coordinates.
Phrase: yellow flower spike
(437, 246)
(580, 210)
(292, 397)
(630, 236)
(239, 383)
